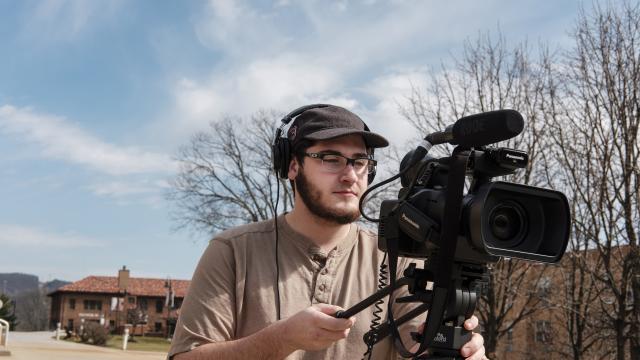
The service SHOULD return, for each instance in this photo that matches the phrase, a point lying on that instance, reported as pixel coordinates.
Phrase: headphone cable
(277, 262)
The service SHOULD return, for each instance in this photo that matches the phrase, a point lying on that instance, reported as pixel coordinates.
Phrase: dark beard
(311, 198)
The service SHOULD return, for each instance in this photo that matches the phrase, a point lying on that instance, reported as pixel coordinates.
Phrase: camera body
(498, 219)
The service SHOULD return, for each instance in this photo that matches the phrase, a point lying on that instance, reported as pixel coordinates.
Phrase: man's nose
(349, 173)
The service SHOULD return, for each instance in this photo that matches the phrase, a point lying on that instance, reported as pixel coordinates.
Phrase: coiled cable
(377, 313)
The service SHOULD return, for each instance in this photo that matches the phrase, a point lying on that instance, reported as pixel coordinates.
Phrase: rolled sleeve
(208, 311)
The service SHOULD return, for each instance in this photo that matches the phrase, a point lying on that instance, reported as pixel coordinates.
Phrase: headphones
(281, 147)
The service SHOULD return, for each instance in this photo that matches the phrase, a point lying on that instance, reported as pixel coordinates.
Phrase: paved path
(41, 346)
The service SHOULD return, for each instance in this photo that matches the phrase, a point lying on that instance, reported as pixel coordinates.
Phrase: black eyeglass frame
(371, 163)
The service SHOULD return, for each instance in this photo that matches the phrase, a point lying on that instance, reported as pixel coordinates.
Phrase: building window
(72, 304)
(177, 303)
(629, 298)
(132, 300)
(70, 324)
(510, 340)
(93, 305)
(112, 324)
(142, 304)
(159, 306)
(543, 332)
(544, 287)
(158, 327)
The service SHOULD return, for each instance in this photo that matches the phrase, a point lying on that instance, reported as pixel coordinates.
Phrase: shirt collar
(308, 246)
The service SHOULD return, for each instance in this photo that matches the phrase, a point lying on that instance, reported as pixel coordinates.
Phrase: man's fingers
(474, 349)
(327, 321)
(328, 308)
(328, 335)
(332, 324)
(471, 323)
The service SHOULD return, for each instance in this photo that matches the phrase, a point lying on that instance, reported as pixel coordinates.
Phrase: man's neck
(325, 234)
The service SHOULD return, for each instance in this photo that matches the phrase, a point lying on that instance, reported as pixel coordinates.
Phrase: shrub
(95, 334)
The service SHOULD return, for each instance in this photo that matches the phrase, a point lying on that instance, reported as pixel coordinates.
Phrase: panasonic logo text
(515, 157)
(413, 223)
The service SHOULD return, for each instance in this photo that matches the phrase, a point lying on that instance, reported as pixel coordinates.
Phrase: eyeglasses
(335, 163)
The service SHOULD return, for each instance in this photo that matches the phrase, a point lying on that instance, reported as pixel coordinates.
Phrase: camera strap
(443, 287)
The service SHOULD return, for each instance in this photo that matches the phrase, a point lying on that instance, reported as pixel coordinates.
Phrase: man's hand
(315, 328)
(472, 350)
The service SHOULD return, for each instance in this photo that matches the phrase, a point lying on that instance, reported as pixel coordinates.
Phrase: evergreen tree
(7, 311)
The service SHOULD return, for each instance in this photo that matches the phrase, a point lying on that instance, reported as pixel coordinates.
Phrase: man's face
(331, 196)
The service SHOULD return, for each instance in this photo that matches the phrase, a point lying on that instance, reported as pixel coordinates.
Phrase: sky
(96, 97)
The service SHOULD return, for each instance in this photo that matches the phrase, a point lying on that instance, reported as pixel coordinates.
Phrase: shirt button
(321, 287)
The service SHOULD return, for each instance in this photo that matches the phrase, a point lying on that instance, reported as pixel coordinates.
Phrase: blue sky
(97, 96)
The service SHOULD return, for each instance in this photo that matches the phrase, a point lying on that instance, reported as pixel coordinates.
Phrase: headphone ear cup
(280, 155)
(285, 152)
(276, 156)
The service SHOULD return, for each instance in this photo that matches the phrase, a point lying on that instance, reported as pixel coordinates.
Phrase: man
(269, 290)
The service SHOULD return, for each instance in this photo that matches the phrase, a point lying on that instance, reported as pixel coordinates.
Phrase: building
(567, 297)
(146, 306)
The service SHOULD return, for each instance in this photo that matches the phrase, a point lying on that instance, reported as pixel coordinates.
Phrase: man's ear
(293, 169)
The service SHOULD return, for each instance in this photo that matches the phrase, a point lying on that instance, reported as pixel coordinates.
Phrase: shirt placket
(324, 279)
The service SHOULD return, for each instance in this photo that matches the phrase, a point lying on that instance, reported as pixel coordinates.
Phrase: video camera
(498, 218)
(458, 233)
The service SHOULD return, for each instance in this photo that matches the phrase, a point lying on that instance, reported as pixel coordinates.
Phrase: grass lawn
(146, 343)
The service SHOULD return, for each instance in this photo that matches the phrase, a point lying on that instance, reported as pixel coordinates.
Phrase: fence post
(125, 339)
(4, 333)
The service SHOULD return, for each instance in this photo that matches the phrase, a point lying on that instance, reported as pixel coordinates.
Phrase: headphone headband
(290, 116)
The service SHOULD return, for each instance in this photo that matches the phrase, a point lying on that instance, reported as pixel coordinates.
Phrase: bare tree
(489, 76)
(595, 128)
(32, 308)
(137, 317)
(226, 177)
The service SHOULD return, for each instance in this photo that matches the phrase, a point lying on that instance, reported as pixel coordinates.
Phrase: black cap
(329, 122)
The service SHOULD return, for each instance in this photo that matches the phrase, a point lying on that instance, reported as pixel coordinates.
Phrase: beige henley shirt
(233, 295)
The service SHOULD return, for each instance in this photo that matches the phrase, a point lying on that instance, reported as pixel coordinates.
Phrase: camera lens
(507, 221)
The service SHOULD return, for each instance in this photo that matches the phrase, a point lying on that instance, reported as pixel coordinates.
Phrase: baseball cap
(329, 122)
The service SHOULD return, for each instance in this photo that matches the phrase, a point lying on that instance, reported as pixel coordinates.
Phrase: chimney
(123, 278)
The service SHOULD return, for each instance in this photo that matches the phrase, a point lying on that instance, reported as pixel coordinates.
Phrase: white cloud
(275, 58)
(60, 139)
(130, 191)
(389, 93)
(294, 53)
(278, 83)
(20, 236)
(66, 19)
(122, 188)
(237, 29)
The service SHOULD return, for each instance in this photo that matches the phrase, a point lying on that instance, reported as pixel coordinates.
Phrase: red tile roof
(136, 286)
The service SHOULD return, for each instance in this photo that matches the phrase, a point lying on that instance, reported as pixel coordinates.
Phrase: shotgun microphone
(480, 129)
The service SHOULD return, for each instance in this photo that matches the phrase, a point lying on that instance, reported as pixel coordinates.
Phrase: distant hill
(53, 285)
(32, 305)
(14, 284)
